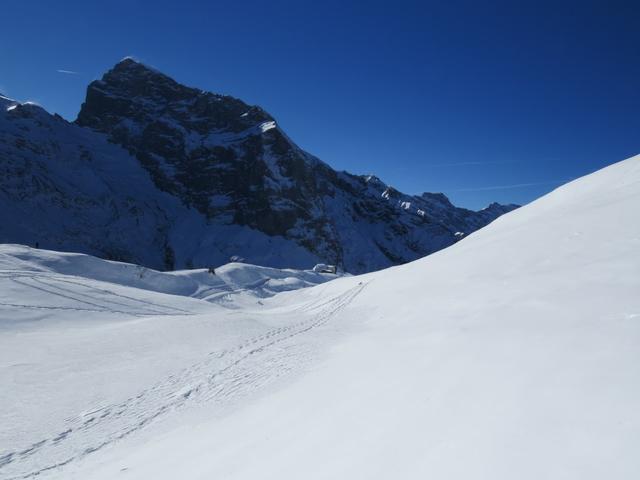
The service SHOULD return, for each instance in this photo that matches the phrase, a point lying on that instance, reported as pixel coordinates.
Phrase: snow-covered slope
(512, 354)
(78, 332)
(225, 285)
(160, 174)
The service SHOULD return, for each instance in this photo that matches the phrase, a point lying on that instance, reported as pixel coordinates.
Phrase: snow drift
(512, 354)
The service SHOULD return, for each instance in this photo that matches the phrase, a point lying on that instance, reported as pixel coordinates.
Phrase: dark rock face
(217, 154)
(227, 167)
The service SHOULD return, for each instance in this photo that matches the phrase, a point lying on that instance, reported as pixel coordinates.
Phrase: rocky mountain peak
(498, 209)
(437, 198)
(227, 159)
(197, 177)
(134, 91)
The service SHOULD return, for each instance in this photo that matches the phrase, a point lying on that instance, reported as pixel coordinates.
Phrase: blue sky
(480, 100)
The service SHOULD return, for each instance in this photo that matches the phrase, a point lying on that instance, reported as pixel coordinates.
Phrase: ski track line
(136, 310)
(68, 297)
(109, 302)
(222, 376)
(103, 290)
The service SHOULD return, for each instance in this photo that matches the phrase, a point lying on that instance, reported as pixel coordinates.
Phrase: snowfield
(513, 354)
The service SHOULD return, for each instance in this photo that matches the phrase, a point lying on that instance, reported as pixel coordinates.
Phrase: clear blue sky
(480, 100)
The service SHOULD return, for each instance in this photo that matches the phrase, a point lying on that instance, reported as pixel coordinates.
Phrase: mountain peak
(438, 198)
(230, 163)
(132, 77)
(128, 60)
(499, 209)
(133, 66)
(132, 93)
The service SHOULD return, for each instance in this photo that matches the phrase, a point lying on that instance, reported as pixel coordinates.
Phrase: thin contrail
(68, 72)
(465, 164)
(508, 187)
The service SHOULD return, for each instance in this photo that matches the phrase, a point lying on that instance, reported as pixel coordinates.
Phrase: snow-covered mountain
(511, 354)
(168, 176)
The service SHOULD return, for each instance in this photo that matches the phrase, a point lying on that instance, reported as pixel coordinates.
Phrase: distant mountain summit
(169, 176)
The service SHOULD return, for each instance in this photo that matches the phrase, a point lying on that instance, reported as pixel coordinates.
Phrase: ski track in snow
(94, 298)
(219, 378)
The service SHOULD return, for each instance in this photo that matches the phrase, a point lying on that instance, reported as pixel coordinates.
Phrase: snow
(266, 126)
(227, 282)
(511, 354)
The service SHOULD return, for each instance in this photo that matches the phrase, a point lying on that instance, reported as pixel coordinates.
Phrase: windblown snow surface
(513, 354)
